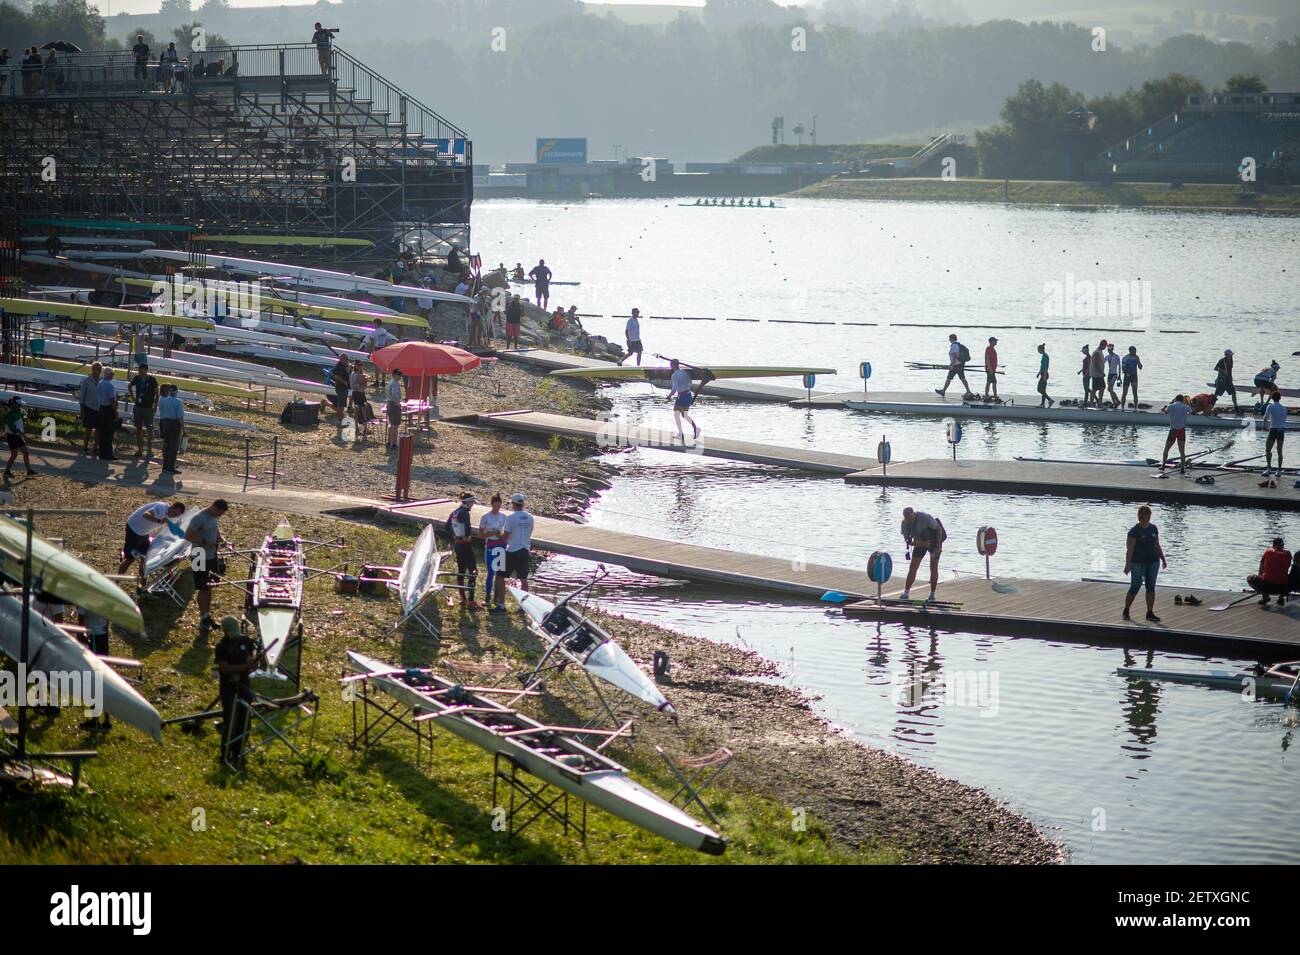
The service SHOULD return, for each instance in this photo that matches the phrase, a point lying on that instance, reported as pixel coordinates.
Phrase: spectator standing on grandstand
(324, 40)
(32, 72)
(182, 73)
(4, 68)
(141, 53)
(167, 61)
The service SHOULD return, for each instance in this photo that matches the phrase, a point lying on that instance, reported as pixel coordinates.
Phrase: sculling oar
(1233, 603)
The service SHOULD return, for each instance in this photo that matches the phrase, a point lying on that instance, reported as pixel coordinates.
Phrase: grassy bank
(173, 803)
(1208, 196)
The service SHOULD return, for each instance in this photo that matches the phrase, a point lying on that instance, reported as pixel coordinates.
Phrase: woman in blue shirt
(1143, 559)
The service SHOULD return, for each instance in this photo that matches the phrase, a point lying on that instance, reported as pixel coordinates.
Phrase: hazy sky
(109, 8)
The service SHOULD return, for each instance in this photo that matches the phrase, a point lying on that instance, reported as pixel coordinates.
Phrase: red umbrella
(422, 361)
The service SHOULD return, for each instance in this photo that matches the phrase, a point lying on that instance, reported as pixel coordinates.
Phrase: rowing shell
(550, 754)
(93, 314)
(590, 646)
(1011, 412)
(1265, 684)
(277, 589)
(166, 547)
(52, 403)
(419, 575)
(51, 651)
(59, 573)
(314, 278)
(662, 373)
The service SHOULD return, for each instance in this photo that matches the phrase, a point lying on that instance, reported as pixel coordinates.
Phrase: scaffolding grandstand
(253, 140)
(1209, 140)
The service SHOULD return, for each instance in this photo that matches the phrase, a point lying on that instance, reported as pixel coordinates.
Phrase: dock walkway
(730, 388)
(1115, 482)
(620, 433)
(1090, 610)
(669, 559)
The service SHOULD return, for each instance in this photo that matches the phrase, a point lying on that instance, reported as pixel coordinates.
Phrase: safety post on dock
(883, 453)
(986, 542)
(880, 567)
(864, 372)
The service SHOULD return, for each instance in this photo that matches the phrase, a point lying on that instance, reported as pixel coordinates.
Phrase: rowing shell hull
(166, 548)
(658, 374)
(276, 616)
(419, 575)
(606, 660)
(51, 651)
(1238, 680)
(69, 579)
(52, 403)
(1009, 412)
(610, 789)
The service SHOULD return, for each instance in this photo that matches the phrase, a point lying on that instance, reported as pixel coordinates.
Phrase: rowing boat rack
(375, 715)
(695, 775)
(270, 721)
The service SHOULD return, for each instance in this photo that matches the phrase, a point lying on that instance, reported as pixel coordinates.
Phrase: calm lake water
(1118, 770)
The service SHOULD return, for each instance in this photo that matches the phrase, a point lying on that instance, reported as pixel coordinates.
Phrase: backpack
(963, 353)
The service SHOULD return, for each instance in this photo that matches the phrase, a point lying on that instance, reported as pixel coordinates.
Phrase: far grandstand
(1212, 138)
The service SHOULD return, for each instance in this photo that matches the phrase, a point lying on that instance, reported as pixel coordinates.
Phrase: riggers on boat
(1009, 411)
(547, 752)
(276, 589)
(567, 632)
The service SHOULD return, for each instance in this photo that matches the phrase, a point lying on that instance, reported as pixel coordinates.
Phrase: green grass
(1216, 196)
(174, 804)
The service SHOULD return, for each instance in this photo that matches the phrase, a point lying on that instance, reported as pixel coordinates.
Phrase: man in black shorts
(143, 390)
(519, 540)
(541, 276)
(204, 533)
(140, 526)
(633, 332)
(460, 528)
(1223, 384)
(924, 536)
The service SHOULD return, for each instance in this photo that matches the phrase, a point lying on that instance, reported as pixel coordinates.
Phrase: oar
(1286, 697)
(1234, 603)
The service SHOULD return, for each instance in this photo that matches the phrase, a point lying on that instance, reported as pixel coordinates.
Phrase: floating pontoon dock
(620, 433)
(1113, 482)
(1090, 610)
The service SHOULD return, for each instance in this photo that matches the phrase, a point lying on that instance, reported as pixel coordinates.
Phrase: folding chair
(690, 772)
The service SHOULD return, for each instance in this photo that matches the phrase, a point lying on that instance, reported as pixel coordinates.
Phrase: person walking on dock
(519, 540)
(958, 356)
(1179, 410)
(1112, 373)
(1266, 381)
(633, 332)
(492, 528)
(1143, 559)
(991, 369)
(541, 277)
(1275, 419)
(682, 398)
(460, 528)
(1274, 577)
(1223, 379)
(1130, 364)
(88, 399)
(171, 424)
(107, 414)
(1044, 362)
(923, 535)
(1097, 364)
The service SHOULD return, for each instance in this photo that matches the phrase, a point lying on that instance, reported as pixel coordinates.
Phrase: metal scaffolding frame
(276, 146)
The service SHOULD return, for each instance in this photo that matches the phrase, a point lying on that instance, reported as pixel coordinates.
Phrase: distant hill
(643, 14)
(844, 152)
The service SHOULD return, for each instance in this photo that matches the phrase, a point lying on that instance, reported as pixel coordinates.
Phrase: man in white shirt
(379, 338)
(1179, 410)
(1275, 419)
(519, 540)
(957, 358)
(141, 525)
(492, 528)
(633, 332)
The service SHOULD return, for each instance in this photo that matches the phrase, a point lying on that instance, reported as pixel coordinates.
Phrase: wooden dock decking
(1020, 408)
(1116, 482)
(619, 433)
(737, 389)
(1091, 611)
(669, 559)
